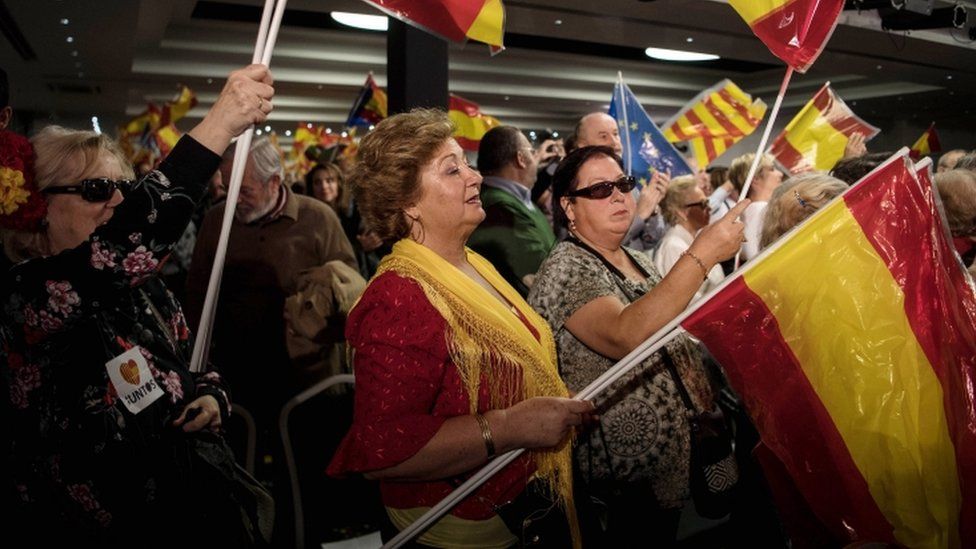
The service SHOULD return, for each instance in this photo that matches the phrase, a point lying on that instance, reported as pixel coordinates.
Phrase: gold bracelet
(698, 261)
(486, 434)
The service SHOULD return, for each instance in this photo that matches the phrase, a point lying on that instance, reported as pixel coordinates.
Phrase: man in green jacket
(515, 236)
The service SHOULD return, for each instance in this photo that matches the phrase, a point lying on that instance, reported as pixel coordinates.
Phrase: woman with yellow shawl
(452, 365)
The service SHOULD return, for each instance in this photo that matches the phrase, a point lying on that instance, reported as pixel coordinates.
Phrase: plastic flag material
(455, 20)
(470, 125)
(796, 31)
(855, 355)
(645, 148)
(714, 120)
(817, 135)
(927, 144)
(370, 105)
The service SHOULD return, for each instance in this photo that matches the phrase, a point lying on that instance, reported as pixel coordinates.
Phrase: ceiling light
(74, 53)
(361, 20)
(64, 21)
(345, 134)
(678, 55)
(287, 133)
(95, 126)
(258, 132)
(555, 134)
(69, 39)
(267, 129)
(689, 39)
(558, 21)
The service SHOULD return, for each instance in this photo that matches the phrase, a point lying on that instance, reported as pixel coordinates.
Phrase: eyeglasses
(703, 204)
(93, 190)
(604, 189)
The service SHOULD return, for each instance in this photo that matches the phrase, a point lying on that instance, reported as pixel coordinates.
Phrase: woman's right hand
(543, 422)
(722, 239)
(245, 100)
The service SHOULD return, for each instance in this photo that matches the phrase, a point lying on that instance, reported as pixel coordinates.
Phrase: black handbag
(714, 472)
(536, 519)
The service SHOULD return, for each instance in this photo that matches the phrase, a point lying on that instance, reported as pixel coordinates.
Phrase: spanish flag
(469, 124)
(166, 138)
(796, 31)
(818, 134)
(455, 20)
(370, 105)
(714, 120)
(927, 144)
(854, 350)
(178, 107)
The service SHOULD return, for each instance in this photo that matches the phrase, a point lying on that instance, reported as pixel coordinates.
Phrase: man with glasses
(515, 235)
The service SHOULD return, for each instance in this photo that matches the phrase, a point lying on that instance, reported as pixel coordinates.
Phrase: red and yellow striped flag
(456, 20)
(796, 31)
(927, 144)
(178, 107)
(715, 120)
(818, 134)
(854, 350)
(469, 124)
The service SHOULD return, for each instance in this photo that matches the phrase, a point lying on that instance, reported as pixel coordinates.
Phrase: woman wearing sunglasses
(686, 210)
(602, 300)
(106, 421)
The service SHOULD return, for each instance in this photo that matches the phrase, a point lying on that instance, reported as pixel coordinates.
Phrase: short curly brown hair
(387, 178)
(957, 189)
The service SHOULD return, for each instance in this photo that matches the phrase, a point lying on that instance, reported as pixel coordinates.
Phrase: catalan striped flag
(470, 125)
(796, 31)
(818, 134)
(456, 20)
(370, 105)
(855, 354)
(927, 144)
(714, 120)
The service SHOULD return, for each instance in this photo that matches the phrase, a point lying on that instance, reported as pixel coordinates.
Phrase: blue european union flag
(645, 148)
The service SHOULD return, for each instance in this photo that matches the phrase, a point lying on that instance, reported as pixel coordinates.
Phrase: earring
(572, 225)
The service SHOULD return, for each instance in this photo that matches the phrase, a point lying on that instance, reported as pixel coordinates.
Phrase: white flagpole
(622, 104)
(762, 142)
(264, 46)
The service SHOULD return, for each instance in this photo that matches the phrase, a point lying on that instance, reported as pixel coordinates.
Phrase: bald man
(600, 129)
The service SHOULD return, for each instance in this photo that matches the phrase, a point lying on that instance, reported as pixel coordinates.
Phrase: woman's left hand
(207, 415)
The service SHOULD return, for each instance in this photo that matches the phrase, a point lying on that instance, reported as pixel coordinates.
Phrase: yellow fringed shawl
(486, 339)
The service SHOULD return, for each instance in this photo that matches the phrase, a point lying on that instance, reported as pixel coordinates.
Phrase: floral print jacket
(76, 455)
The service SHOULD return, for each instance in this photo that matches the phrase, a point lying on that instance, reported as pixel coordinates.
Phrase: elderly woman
(602, 300)
(452, 366)
(767, 178)
(686, 210)
(106, 421)
(957, 189)
(796, 200)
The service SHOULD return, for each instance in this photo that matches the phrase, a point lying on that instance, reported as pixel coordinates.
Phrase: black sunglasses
(703, 204)
(603, 189)
(93, 190)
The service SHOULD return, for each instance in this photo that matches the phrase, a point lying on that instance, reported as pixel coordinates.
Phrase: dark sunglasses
(93, 190)
(703, 204)
(604, 189)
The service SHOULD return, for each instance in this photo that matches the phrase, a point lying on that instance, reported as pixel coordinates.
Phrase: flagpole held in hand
(264, 46)
(763, 140)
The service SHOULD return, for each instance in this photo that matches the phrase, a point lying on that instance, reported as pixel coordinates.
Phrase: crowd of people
(494, 294)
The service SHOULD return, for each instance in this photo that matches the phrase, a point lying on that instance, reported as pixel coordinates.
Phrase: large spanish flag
(852, 343)
(470, 125)
(796, 31)
(456, 20)
(818, 134)
(714, 120)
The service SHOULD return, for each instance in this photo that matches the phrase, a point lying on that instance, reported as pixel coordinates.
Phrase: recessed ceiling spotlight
(372, 127)
(678, 55)
(878, 67)
(345, 134)
(258, 131)
(267, 129)
(210, 81)
(689, 39)
(361, 20)
(949, 77)
(74, 53)
(555, 134)
(64, 21)
(287, 133)
(69, 39)
(558, 22)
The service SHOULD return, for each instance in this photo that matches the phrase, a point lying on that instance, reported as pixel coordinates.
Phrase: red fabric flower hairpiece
(22, 208)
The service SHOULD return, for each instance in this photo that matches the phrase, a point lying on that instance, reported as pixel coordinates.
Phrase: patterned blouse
(643, 434)
(79, 460)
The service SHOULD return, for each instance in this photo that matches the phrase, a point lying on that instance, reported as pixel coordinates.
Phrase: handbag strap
(682, 390)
